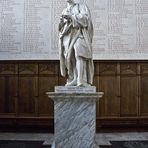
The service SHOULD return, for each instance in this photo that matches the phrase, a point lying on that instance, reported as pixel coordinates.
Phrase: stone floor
(101, 138)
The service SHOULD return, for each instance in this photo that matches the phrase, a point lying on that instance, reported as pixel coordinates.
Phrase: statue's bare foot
(72, 83)
(83, 85)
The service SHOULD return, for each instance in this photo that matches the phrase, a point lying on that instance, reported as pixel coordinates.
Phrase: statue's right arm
(61, 24)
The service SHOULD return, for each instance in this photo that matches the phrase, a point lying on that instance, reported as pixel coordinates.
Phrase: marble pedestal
(75, 116)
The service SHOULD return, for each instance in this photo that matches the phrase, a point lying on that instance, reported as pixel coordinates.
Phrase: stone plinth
(75, 116)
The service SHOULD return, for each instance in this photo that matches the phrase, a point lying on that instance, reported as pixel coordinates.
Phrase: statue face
(69, 1)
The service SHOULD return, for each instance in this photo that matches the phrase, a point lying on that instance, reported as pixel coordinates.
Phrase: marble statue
(75, 42)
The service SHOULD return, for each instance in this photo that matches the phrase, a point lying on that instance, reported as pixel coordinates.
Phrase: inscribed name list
(29, 29)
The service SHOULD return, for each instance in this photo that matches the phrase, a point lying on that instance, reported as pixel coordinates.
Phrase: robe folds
(76, 40)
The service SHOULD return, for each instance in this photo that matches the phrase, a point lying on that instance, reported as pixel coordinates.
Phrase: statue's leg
(81, 71)
(74, 67)
(81, 62)
(84, 71)
(72, 72)
(80, 68)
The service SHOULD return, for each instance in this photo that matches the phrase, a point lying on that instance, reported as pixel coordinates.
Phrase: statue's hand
(61, 20)
(60, 35)
(67, 16)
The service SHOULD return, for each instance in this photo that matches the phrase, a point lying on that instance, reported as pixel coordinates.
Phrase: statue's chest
(72, 10)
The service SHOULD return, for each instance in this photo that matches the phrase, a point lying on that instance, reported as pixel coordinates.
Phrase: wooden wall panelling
(48, 78)
(28, 89)
(49, 68)
(108, 83)
(96, 83)
(61, 80)
(96, 75)
(2, 94)
(8, 68)
(129, 90)
(46, 84)
(8, 94)
(139, 86)
(23, 85)
(144, 90)
(8, 88)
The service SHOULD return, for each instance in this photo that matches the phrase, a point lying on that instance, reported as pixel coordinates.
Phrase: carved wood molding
(128, 68)
(144, 68)
(108, 68)
(7, 69)
(28, 68)
(48, 68)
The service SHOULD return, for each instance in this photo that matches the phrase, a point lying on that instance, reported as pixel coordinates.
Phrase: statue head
(70, 1)
(75, 1)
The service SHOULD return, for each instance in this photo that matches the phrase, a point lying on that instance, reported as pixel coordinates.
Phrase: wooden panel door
(8, 88)
(8, 94)
(108, 83)
(129, 90)
(48, 79)
(144, 90)
(28, 89)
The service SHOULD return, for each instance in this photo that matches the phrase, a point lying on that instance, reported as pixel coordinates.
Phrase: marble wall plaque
(29, 29)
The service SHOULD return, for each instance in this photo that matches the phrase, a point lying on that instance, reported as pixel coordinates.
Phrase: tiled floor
(101, 139)
(104, 138)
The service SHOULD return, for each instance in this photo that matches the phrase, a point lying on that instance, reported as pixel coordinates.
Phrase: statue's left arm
(81, 19)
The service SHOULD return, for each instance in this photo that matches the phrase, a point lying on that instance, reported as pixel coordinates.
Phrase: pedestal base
(75, 116)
